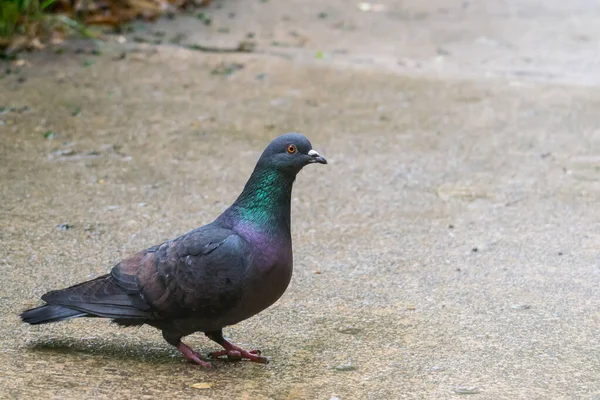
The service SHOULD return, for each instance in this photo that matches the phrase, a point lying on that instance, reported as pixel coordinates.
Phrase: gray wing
(200, 273)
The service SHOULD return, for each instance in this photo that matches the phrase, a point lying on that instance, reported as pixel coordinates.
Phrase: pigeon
(208, 278)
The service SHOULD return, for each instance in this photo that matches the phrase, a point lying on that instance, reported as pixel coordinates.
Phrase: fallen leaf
(36, 44)
(201, 385)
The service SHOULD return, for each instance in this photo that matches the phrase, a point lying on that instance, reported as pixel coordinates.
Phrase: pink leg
(234, 352)
(192, 355)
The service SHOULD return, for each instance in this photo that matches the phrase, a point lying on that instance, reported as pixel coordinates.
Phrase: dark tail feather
(50, 313)
(101, 297)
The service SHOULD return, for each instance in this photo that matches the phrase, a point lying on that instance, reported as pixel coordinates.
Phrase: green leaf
(47, 4)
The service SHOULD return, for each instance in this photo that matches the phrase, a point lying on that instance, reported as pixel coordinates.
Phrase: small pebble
(345, 367)
(520, 306)
(349, 330)
(466, 390)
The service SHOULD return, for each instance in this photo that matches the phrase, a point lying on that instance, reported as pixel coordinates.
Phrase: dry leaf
(201, 385)
(36, 44)
(96, 12)
(19, 63)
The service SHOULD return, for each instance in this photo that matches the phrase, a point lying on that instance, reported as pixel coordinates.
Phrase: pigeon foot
(236, 353)
(193, 356)
(233, 352)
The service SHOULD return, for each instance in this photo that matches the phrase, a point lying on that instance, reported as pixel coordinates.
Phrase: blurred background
(449, 248)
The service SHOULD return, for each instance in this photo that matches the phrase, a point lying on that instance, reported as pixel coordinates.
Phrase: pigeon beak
(316, 157)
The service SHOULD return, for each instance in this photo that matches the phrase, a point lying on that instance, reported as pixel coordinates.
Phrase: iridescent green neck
(265, 200)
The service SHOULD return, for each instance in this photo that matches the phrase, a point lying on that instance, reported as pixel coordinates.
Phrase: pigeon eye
(291, 149)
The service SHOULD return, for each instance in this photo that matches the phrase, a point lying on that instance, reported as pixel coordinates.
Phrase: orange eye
(291, 149)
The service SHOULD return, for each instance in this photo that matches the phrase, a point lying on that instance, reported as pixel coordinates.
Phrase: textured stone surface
(451, 245)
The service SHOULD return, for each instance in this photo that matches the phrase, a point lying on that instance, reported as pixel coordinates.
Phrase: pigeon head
(265, 201)
(289, 153)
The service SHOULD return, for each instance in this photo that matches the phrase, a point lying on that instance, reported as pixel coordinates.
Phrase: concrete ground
(449, 249)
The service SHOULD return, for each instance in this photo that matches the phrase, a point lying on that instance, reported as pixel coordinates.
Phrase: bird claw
(199, 361)
(235, 353)
(193, 356)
